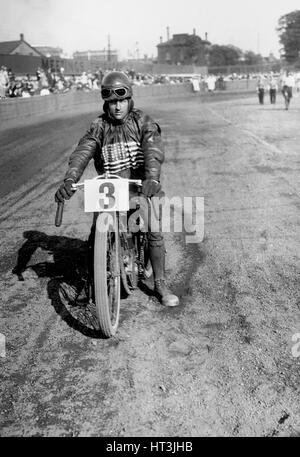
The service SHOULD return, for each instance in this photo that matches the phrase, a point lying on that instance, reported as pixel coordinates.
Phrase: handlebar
(59, 214)
(60, 205)
(137, 182)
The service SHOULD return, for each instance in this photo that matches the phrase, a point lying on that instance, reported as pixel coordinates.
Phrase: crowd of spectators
(214, 82)
(208, 82)
(56, 82)
(46, 82)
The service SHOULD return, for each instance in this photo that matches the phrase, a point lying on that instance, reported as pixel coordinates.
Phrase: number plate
(106, 195)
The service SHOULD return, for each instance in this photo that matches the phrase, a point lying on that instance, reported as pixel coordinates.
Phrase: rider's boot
(157, 257)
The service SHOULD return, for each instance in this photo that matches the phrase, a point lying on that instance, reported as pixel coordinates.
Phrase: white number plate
(106, 195)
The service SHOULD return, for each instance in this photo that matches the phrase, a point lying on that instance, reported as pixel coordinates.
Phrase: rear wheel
(107, 273)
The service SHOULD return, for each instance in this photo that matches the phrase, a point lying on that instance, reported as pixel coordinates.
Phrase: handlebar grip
(59, 213)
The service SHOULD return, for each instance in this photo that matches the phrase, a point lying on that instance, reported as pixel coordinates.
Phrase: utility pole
(108, 48)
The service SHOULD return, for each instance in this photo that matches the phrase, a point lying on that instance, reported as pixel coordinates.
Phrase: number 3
(107, 199)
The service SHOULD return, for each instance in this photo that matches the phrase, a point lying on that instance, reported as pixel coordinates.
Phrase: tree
(250, 58)
(220, 56)
(289, 35)
(196, 50)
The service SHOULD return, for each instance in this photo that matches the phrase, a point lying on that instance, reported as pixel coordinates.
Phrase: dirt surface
(224, 363)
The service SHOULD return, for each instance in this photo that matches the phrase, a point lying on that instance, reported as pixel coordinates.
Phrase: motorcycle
(120, 252)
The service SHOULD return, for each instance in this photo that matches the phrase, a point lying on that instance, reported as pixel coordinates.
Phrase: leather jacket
(131, 148)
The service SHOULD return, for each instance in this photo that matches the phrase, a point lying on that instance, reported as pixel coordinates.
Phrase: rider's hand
(65, 191)
(150, 187)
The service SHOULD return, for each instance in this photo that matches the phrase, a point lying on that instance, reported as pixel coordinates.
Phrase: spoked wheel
(107, 273)
(128, 263)
(131, 266)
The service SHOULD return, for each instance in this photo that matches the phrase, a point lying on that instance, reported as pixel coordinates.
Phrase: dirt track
(224, 362)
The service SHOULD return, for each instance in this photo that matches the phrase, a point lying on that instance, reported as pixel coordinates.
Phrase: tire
(107, 273)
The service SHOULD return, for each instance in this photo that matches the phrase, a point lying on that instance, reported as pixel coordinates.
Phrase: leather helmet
(116, 86)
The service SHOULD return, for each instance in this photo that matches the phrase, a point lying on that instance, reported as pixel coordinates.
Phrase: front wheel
(107, 273)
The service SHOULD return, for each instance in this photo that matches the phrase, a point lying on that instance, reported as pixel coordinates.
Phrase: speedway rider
(127, 142)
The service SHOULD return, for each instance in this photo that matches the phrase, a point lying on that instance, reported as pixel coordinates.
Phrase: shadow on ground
(68, 267)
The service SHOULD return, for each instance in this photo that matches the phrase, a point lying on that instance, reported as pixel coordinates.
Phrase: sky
(134, 27)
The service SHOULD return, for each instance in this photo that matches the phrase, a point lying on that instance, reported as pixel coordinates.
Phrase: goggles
(120, 92)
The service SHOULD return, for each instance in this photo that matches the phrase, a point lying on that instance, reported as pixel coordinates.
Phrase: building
(49, 51)
(183, 49)
(99, 57)
(18, 47)
(20, 56)
(23, 58)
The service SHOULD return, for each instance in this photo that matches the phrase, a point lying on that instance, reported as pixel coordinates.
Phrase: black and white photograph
(150, 201)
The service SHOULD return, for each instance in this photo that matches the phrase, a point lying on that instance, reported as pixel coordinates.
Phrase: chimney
(205, 36)
(168, 33)
(160, 39)
(21, 36)
(194, 31)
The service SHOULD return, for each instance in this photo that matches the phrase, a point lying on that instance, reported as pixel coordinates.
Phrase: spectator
(4, 82)
(211, 83)
(195, 84)
(221, 82)
(261, 89)
(273, 87)
(43, 82)
(288, 83)
(38, 73)
(12, 83)
(35, 86)
(50, 80)
(84, 80)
